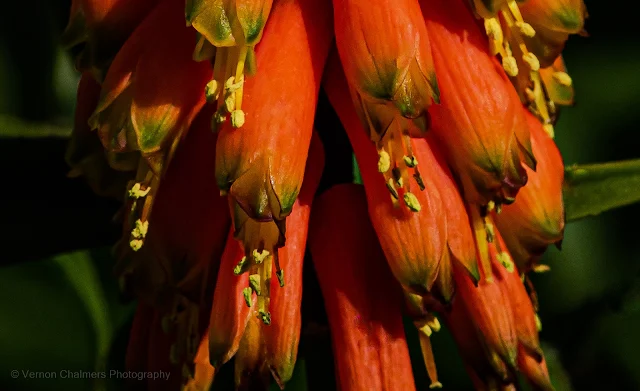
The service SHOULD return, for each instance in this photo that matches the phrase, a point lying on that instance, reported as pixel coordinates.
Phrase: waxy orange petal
(362, 300)
(261, 164)
(479, 121)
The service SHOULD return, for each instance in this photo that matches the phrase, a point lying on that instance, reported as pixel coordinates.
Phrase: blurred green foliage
(63, 311)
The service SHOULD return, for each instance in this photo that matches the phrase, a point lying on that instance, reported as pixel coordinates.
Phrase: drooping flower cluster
(199, 116)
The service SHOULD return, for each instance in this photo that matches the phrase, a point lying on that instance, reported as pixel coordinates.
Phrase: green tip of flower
(241, 267)
(254, 283)
(246, 293)
(280, 275)
(538, 323)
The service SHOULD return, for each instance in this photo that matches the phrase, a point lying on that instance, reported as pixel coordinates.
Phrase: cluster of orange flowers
(200, 117)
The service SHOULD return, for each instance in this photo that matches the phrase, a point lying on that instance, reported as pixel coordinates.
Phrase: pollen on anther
(532, 60)
(510, 66)
(259, 257)
(563, 78)
(237, 118)
(384, 161)
(412, 202)
(212, 91)
(136, 244)
(526, 29)
(136, 191)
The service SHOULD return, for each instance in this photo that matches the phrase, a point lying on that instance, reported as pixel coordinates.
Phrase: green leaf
(595, 188)
(61, 315)
(11, 127)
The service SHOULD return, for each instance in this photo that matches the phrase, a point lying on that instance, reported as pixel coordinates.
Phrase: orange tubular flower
(362, 301)
(479, 121)
(261, 165)
(536, 219)
(392, 80)
(151, 94)
(272, 346)
(104, 25)
(501, 313)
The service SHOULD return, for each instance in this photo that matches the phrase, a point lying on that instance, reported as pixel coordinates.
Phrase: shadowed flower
(362, 300)
(102, 26)
(151, 93)
(536, 219)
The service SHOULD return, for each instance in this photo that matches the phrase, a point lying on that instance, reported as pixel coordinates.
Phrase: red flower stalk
(479, 122)
(362, 300)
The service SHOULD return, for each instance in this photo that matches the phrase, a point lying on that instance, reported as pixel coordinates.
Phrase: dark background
(62, 311)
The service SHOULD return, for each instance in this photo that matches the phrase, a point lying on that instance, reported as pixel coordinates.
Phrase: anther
(265, 316)
(426, 330)
(259, 257)
(410, 161)
(532, 60)
(548, 128)
(136, 244)
(526, 29)
(541, 268)
(212, 91)
(384, 161)
(510, 66)
(490, 232)
(254, 283)
(412, 202)
(140, 230)
(241, 267)
(246, 293)
(237, 118)
(563, 78)
(505, 260)
(136, 191)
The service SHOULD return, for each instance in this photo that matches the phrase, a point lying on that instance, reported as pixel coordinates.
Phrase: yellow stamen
(237, 118)
(412, 202)
(505, 260)
(541, 268)
(548, 128)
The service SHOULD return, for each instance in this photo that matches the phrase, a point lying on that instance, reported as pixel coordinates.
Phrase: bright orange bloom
(362, 300)
(536, 219)
(391, 76)
(262, 164)
(553, 21)
(104, 25)
(271, 346)
(479, 121)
